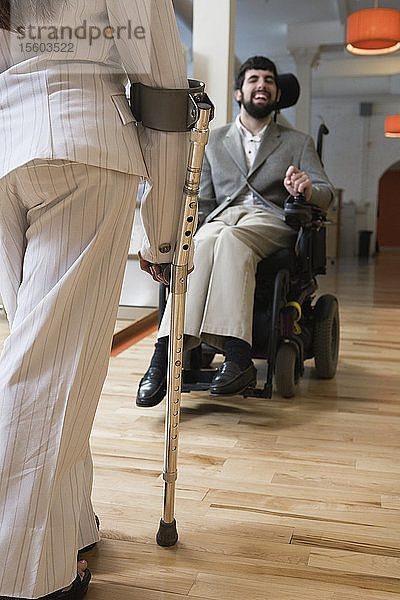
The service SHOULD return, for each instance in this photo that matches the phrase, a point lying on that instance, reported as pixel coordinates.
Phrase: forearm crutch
(194, 113)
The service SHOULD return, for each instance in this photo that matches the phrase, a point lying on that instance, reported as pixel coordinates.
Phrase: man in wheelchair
(250, 167)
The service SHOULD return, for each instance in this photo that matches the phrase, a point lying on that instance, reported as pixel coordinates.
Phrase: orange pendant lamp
(373, 31)
(392, 126)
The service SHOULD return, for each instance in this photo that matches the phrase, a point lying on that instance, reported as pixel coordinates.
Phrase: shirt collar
(246, 133)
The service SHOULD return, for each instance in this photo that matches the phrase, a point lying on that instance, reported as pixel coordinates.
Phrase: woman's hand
(152, 269)
(156, 271)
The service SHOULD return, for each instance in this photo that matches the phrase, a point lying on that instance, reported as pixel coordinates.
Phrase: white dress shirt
(251, 144)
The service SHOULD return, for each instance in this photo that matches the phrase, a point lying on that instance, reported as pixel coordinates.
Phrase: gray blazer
(225, 174)
(66, 99)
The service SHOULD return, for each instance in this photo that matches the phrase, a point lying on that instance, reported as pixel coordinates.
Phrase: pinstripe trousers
(64, 235)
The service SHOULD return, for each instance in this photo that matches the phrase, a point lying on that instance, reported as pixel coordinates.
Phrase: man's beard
(259, 112)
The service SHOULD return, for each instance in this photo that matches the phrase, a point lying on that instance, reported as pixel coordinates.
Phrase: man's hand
(154, 270)
(296, 182)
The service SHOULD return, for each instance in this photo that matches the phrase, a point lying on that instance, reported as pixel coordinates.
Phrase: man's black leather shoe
(231, 380)
(152, 388)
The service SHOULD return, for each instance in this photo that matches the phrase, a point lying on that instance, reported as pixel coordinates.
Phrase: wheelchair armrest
(318, 212)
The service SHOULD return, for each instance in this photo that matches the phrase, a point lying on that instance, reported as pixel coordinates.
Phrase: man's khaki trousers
(220, 294)
(64, 236)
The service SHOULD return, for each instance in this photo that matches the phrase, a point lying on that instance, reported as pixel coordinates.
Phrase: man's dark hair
(255, 62)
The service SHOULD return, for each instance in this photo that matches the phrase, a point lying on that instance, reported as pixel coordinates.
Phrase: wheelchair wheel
(326, 336)
(286, 370)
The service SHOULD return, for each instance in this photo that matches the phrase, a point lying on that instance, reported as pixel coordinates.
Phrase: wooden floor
(277, 500)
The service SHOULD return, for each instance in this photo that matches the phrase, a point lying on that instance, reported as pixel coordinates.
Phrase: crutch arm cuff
(167, 109)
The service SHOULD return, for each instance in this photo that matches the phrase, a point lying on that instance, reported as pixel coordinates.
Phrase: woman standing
(71, 157)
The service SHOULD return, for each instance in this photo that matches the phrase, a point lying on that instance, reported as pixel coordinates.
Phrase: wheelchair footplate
(198, 380)
(255, 392)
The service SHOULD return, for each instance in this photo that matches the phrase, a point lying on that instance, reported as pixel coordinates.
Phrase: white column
(304, 58)
(213, 53)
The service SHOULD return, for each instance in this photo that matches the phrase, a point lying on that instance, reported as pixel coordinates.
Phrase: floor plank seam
(345, 545)
(289, 515)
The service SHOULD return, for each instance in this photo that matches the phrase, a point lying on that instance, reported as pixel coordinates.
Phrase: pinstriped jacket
(62, 96)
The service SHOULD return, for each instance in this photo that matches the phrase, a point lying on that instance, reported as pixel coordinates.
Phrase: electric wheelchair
(289, 324)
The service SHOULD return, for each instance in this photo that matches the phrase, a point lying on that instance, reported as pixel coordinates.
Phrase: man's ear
(278, 96)
(238, 95)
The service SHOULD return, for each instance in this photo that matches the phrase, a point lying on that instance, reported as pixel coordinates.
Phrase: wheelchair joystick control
(298, 212)
(300, 198)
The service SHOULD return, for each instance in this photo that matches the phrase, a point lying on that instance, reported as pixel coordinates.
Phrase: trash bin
(364, 240)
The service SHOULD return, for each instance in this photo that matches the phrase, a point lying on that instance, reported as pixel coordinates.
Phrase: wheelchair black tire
(286, 370)
(326, 336)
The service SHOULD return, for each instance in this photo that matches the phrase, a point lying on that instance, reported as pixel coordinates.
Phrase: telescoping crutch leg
(176, 110)
(167, 533)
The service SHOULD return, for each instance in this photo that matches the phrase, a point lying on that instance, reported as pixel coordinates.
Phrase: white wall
(356, 153)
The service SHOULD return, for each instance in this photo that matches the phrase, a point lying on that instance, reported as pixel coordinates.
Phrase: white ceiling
(262, 28)
(261, 25)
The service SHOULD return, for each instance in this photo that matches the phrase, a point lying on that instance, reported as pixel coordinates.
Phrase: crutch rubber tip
(167, 534)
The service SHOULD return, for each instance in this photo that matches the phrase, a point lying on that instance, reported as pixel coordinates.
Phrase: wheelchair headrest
(290, 90)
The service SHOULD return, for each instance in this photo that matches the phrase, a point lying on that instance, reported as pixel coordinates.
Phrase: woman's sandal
(90, 546)
(77, 590)
(79, 586)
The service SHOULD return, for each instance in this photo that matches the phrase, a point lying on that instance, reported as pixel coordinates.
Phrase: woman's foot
(82, 566)
(90, 546)
(75, 591)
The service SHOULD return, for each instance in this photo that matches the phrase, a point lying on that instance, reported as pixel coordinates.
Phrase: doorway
(388, 221)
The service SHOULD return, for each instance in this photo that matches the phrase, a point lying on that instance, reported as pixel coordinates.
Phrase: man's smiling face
(259, 93)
